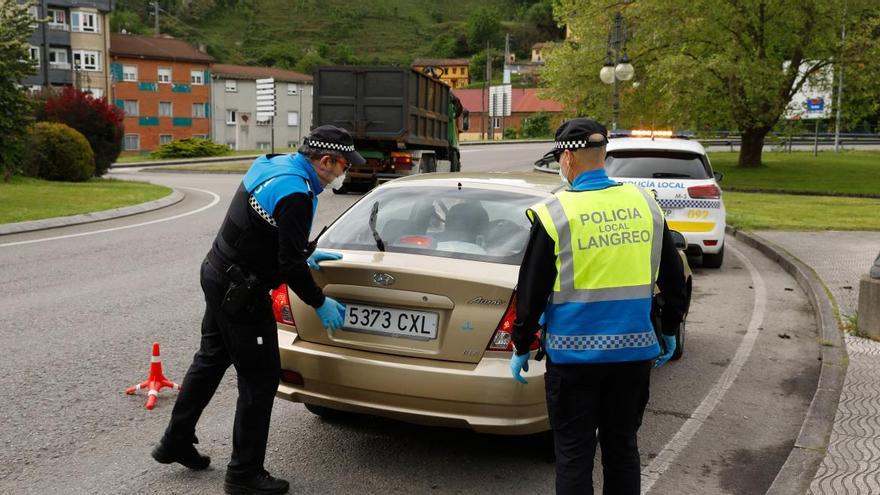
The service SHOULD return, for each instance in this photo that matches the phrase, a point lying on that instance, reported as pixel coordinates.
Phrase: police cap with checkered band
(330, 137)
(575, 134)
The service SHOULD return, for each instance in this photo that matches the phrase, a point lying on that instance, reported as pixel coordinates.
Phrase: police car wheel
(326, 412)
(713, 260)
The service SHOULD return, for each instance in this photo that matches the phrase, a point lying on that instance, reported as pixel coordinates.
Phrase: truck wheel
(713, 260)
(455, 161)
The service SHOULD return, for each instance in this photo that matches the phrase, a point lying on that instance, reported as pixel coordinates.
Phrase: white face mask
(337, 182)
(562, 178)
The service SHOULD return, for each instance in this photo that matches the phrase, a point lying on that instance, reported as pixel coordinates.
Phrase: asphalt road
(80, 307)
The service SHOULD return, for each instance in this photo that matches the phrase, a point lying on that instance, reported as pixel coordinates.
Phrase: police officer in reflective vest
(262, 243)
(596, 249)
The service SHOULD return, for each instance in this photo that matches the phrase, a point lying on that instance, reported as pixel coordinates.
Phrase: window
(57, 19)
(653, 163)
(293, 119)
(230, 144)
(231, 86)
(455, 70)
(292, 89)
(58, 58)
(129, 73)
(198, 110)
(132, 142)
(84, 22)
(197, 77)
(34, 12)
(230, 117)
(130, 107)
(164, 74)
(496, 123)
(165, 139)
(34, 53)
(292, 144)
(262, 145)
(96, 92)
(87, 60)
(164, 109)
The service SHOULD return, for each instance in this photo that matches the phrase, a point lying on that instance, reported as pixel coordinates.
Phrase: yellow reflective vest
(608, 244)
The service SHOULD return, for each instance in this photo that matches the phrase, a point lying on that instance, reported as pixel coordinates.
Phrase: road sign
(265, 97)
(265, 116)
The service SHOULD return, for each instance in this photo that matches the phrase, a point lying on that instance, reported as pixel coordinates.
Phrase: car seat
(465, 221)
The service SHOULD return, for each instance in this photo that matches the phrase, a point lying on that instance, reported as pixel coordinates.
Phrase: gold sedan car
(428, 276)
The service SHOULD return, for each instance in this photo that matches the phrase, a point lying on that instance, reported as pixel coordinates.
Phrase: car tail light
(710, 243)
(709, 191)
(292, 377)
(501, 340)
(281, 305)
(401, 160)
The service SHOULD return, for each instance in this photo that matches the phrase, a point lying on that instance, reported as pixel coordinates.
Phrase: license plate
(389, 321)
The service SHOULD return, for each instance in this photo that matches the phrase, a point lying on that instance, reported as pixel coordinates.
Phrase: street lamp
(616, 67)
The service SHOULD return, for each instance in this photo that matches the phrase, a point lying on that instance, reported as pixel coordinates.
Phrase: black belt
(217, 262)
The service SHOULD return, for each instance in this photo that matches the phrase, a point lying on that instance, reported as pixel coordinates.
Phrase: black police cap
(575, 134)
(330, 137)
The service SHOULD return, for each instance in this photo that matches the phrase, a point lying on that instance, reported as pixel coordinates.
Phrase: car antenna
(373, 214)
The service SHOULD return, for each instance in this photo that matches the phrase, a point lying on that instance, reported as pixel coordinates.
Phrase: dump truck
(403, 122)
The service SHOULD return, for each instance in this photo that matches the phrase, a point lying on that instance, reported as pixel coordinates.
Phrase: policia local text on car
(263, 242)
(594, 254)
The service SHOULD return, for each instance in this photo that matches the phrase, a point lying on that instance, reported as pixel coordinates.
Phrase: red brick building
(524, 103)
(163, 85)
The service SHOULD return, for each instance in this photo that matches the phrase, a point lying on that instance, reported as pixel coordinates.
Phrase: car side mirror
(718, 176)
(678, 239)
(465, 120)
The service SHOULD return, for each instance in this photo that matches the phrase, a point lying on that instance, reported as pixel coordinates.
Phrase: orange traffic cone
(155, 382)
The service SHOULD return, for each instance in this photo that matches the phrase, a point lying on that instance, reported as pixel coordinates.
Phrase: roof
(227, 71)
(538, 46)
(667, 144)
(441, 62)
(539, 184)
(525, 100)
(161, 48)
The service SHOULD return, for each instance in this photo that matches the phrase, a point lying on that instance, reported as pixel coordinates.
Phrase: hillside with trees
(301, 34)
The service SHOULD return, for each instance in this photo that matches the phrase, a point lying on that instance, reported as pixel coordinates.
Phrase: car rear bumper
(698, 242)
(480, 396)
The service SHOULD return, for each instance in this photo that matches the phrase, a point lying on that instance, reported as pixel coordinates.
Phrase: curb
(185, 161)
(806, 456)
(51, 223)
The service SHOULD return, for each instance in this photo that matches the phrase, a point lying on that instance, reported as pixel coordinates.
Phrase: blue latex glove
(541, 320)
(319, 256)
(669, 340)
(331, 313)
(517, 364)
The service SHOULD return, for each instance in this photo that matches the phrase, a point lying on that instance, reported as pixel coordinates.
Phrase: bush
(536, 126)
(97, 120)
(190, 148)
(511, 133)
(59, 152)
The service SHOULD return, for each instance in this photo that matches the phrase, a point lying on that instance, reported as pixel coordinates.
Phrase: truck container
(403, 122)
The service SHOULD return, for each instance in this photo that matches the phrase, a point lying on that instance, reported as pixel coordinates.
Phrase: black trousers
(247, 340)
(584, 398)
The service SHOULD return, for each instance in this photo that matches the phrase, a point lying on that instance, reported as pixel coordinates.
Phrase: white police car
(681, 177)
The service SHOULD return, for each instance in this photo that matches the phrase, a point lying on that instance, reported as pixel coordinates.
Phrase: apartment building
(163, 85)
(72, 46)
(234, 100)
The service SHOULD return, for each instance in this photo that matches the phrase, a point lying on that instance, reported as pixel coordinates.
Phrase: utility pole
(490, 131)
(505, 81)
(156, 16)
(839, 64)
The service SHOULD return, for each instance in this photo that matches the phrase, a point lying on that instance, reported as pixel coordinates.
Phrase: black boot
(185, 454)
(261, 483)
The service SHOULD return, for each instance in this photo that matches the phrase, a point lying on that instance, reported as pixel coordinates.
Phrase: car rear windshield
(656, 164)
(468, 223)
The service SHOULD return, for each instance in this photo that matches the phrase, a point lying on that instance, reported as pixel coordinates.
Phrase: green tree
(719, 64)
(15, 65)
(483, 26)
(536, 126)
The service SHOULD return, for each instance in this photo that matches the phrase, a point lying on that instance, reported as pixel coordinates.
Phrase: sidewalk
(853, 454)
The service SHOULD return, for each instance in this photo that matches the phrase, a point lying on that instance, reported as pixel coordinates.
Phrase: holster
(240, 293)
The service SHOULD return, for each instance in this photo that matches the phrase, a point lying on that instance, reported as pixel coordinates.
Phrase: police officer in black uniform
(262, 243)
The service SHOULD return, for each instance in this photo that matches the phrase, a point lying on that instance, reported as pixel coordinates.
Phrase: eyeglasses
(345, 164)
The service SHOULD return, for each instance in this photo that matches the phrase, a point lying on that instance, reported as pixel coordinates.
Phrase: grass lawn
(216, 168)
(25, 198)
(847, 172)
(754, 211)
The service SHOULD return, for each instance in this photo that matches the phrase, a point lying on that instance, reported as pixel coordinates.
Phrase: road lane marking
(81, 234)
(689, 429)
